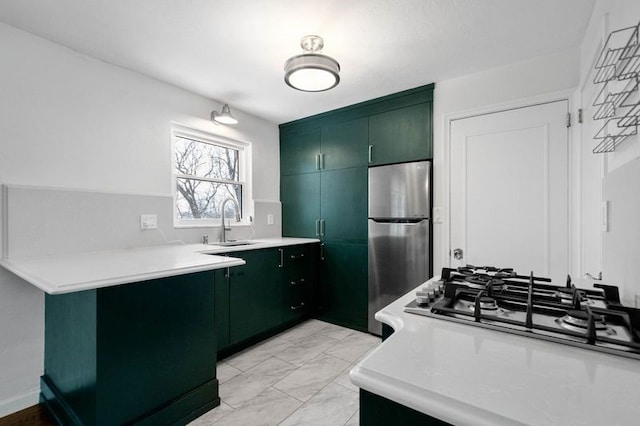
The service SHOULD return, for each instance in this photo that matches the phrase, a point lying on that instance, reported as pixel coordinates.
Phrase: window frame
(244, 166)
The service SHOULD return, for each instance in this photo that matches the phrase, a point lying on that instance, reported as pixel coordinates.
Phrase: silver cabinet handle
(317, 161)
(321, 251)
(317, 228)
(321, 161)
(370, 153)
(322, 227)
(281, 258)
(300, 281)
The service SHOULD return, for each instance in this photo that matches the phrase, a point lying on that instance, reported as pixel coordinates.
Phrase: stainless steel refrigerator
(399, 233)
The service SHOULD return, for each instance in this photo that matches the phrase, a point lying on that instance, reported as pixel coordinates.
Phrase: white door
(509, 197)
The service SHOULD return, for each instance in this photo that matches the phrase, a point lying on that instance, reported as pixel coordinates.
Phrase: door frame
(562, 95)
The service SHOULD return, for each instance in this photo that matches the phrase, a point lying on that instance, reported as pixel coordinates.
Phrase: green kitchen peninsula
(129, 334)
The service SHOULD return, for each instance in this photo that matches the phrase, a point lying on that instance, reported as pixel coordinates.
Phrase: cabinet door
(344, 205)
(345, 144)
(255, 294)
(300, 198)
(401, 135)
(299, 151)
(221, 307)
(343, 287)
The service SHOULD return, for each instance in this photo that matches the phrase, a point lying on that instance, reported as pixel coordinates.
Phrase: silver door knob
(458, 253)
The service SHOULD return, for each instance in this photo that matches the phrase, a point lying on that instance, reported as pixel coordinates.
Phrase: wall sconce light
(224, 116)
(312, 71)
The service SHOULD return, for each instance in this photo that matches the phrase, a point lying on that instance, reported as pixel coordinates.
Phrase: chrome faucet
(223, 229)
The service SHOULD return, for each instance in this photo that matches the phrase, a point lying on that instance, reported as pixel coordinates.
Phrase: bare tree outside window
(206, 174)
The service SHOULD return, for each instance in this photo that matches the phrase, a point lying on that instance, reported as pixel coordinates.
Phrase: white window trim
(180, 130)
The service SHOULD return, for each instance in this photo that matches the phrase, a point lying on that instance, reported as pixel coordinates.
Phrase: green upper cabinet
(343, 201)
(402, 134)
(344, 144)
(299, 151)
(300, 198)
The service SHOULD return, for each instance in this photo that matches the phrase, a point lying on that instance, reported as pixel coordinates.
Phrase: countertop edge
(49, 288)
(257, 244)
(434, 405)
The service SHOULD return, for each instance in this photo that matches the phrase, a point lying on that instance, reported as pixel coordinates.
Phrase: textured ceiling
(234, 51)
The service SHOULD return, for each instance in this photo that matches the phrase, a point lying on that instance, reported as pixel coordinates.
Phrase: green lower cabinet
(142, 353)
(298, 287)
(376, 410)
(272, 291)
(255, 294)
(343, 291)
(221, 311)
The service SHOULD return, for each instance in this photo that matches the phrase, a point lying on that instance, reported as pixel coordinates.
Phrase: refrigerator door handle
(408, 222)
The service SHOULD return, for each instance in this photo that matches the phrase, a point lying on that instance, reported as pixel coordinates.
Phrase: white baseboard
(9, 406)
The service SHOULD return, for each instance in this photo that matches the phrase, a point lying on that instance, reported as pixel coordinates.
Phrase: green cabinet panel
(255, 294)
(343, 289)
(221, 311)
(140, 353)
(300, 198)
(345, 144)
(298, 287)
(343, 204)
(376, 410)
(299, 151)
(401, 135)
(324, 160)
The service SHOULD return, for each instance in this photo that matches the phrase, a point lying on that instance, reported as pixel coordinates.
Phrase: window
(207, 171)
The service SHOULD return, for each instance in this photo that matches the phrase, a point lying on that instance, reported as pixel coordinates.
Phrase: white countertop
(66, 273)
(468, 375)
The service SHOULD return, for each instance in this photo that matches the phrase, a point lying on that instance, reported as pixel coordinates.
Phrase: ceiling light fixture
(312, 71)
(224, 116)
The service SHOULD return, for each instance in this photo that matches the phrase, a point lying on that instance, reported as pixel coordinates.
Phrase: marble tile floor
(298, 377)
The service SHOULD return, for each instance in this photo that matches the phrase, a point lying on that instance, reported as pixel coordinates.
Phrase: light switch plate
(148, 221)
(437, 215)
(269, 219)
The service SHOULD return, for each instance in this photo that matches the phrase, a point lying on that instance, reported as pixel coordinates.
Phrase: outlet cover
(148, 221)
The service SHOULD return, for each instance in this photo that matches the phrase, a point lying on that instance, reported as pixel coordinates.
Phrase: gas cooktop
(501, 299)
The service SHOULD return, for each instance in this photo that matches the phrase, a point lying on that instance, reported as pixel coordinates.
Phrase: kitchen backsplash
(41, 221)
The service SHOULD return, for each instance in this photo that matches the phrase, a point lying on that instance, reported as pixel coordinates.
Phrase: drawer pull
(297, 282)
(296, 256)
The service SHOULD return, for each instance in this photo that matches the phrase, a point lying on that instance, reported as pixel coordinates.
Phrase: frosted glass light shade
(312, 72)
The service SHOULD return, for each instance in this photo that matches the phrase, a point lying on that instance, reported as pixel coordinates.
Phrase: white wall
(70, 121)
(612, 252)
(544, 77)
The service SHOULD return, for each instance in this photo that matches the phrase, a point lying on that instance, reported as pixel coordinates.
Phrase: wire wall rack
(617, 69)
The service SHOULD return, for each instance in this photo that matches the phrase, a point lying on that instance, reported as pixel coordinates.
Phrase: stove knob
(422, 300)
(432, 295)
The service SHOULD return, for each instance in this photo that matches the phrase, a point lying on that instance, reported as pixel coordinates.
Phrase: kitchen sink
(233, 243)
